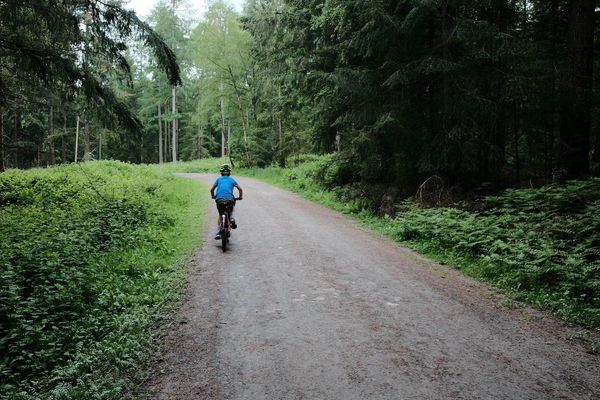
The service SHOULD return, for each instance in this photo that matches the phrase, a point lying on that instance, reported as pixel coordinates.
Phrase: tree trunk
(242, 113)
(167, 140)
(576, 90)
(52, 157)
(498, 144)
(200, 141)
(446, 57)
(596, 156)
(86, 140)
(228, 138)
(280, 128)
(141, 149)
(77, 139)
(222, 123)
(160, 138)
(16, 138)
(498, 135)
(2, 166)
(517, 128)
(174, 133)
(63, 144)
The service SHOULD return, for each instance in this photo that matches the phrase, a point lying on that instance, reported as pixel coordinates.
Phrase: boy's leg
(233, 223)
(218, 234)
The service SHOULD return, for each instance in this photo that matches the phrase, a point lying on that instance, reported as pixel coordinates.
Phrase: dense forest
(373, 108)
(484, 95)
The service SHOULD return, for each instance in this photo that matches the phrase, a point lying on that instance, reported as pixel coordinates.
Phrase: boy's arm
(239, 188)
(212, 191)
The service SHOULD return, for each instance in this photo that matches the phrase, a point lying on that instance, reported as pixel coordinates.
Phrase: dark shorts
(223, 204)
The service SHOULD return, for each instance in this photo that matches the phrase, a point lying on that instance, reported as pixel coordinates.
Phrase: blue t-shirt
(225, 185)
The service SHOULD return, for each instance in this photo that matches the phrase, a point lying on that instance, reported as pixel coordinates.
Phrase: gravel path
(307, 304)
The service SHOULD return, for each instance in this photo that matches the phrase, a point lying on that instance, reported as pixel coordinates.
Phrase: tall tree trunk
(446, 57)
(63, 144)
(280, 128)
(200, 141)
(168, 141)
(498, 135)
(160, 138)
(228, 138)
(52, 157)
(517, 128)
(86, 140)
(77, 139)
(222, 123)
(596, 156)
(141, 149)
(16, 137)
(242, 113)
(2, 166)
(498, 144)
(576, 90)
(174, 133)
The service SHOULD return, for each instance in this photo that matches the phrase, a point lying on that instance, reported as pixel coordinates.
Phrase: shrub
(89, 255)
(540, 244)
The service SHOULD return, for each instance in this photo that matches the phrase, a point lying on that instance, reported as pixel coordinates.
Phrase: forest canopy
(485, 95)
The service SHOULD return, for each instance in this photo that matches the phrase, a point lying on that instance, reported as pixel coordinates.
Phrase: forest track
(308, 304)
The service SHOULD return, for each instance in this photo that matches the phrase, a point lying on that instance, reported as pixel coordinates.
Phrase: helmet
(225, 169)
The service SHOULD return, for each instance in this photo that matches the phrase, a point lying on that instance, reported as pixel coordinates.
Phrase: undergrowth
(91, 257)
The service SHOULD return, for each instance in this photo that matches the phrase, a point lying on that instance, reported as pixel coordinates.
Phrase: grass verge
(91, 258)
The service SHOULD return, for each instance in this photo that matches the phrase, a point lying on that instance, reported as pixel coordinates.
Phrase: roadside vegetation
(92, 257)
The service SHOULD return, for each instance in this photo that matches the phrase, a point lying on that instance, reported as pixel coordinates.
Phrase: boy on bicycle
(224, 185)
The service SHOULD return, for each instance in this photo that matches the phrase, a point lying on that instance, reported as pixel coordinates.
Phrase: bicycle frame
(225, 229)
(225, 223)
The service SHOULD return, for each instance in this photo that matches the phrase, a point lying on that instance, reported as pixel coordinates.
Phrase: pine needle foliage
(57, 43)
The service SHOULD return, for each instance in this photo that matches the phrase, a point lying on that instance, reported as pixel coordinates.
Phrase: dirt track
(307, 304)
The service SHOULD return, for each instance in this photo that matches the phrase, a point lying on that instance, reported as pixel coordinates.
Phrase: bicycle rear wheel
(224, 231)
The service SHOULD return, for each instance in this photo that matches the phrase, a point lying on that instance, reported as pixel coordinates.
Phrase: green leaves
(87, 261)
(538, 244)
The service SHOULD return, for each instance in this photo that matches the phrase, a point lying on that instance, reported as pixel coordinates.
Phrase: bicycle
(225, 223)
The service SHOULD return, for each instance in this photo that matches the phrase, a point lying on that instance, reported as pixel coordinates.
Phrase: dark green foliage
(541, 244)
(87, 261)
(465, 90)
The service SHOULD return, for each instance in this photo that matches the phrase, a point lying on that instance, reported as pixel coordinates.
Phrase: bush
(541, 244)
(89, 255)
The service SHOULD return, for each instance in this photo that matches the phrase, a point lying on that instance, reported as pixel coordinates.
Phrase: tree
(59, 45)
(577, 89)
(219, 49)
(466, 90)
